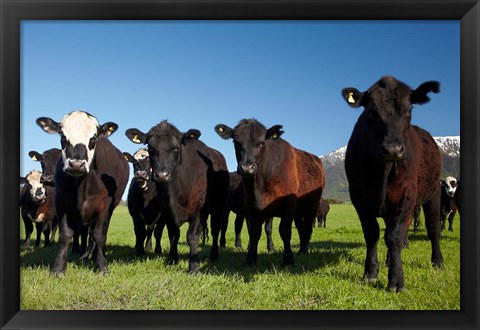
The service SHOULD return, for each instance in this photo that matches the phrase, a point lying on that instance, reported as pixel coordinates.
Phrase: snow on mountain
(449, 145)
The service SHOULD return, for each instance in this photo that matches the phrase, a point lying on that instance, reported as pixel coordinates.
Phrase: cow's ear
(191, 135)
(353, 96)
(36, 156)
(23, 180)
(136, 136)
(129, 157)
(224, 131)
(274, 132)
(419, 96)
(49, 125)
(107, 129)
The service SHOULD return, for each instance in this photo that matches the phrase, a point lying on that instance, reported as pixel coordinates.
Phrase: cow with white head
(32, 195)
(90, 179)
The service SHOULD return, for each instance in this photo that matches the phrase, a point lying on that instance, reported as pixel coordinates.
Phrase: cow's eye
(93, 141)
(260, 145)
(176, 149)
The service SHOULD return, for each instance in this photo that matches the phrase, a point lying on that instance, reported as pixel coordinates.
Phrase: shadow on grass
(231, 261)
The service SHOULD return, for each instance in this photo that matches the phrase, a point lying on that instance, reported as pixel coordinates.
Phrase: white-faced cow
(144, 203)
(448, 208)
(237, 203)
(32, 195)
(279, 180)
(90, 179)
(46, 215)
(191, 181)
(391, 167)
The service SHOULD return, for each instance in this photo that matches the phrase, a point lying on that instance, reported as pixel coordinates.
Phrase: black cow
(448, 208)
(391, 167)
(237, 203)
(90, 179)
(48, 161)
(191, 181)
(144, 204)
(322, 211)
(32, 195)
(279, 180)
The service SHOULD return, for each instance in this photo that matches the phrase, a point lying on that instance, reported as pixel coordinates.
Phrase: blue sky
(198, 74)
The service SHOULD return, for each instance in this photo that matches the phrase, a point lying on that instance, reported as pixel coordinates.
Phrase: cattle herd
(393, 169)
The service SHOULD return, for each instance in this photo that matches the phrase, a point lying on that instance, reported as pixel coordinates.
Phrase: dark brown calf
(280, 181)
(391, 167)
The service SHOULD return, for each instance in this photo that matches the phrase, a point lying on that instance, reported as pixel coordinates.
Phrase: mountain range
(336, 186)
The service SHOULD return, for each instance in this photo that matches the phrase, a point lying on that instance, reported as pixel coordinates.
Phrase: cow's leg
(38, 228)
(451, 215)
(286, 235)
(238, 230)
(430, 209)
(193, 234)
(324, 221)
(100, 237)
(173, 234)
(395, 232)
(158, 236)
(223, 232)
(306, 233)
(416, 219)
(254, 231)
(76, 239)
(65, 234)
(216, 223)
(46, 235)
(54, 229)
(268, 232)
(371, 234)
(84, 230)
(28, 224)
(140, 234)
(149, 234)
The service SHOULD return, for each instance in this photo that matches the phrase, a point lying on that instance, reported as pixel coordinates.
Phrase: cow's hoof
(395, 289)
(57, 273)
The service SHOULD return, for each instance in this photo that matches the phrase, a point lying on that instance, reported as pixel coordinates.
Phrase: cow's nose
(247, 169)
(38, 192)
(141, 175)
(394, 151)
(46, 178)
(162, 176)
(76, 164)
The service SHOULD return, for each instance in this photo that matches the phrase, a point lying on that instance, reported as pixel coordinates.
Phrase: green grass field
(328, 278)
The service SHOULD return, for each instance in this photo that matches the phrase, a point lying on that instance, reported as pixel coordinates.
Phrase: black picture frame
(13, 11)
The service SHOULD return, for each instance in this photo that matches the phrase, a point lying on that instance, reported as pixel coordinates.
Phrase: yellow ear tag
(220, 129)
(110, 129)
(34, 157)
(125, 157)
(192, 136)
(136, 139)
(274, 136)
(350, 98)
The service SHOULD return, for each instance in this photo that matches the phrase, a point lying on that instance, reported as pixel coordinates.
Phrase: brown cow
(280, 181)
(391, 167)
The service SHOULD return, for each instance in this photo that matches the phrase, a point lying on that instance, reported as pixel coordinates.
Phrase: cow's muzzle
(162, 176)
(247, 169)
(394, 152)
(76, 167)
(48, 179)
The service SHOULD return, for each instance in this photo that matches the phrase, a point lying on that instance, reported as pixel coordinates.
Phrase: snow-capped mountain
(336, 186)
